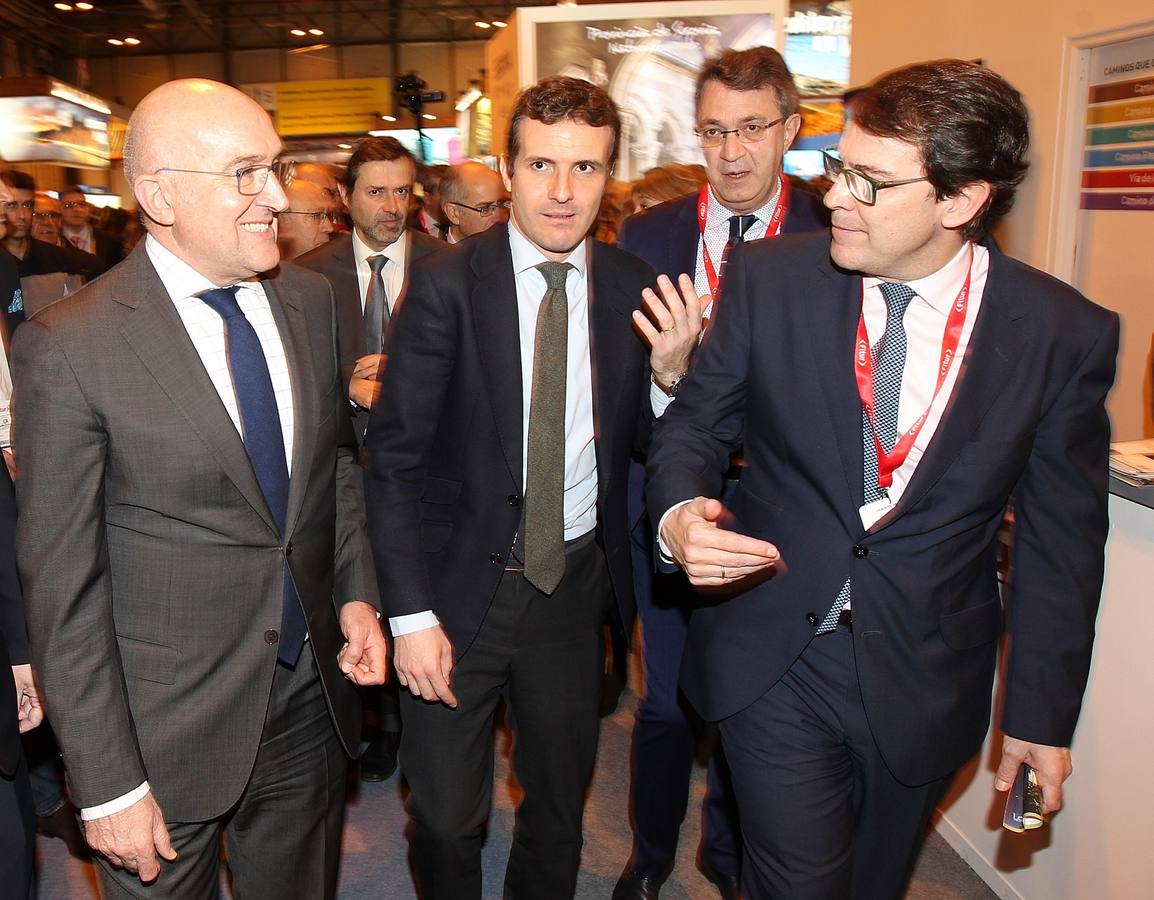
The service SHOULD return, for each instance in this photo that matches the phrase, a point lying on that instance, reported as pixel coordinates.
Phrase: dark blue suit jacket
(666, 235)
(1026, 420)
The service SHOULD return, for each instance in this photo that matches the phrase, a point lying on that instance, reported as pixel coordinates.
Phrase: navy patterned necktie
(263, 441)
(889, 361)
(738, 226)
(376, 306)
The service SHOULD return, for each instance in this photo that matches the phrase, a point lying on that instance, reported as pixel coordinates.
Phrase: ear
(344, 193)
(964, 206)
(153, 195)
(451, 213)
(792, 126)
(506, 172)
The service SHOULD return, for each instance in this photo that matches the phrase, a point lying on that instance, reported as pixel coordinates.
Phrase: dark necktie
(376, 307)
(738, 226)
(889, 357)
(545, 462)
(263, 441)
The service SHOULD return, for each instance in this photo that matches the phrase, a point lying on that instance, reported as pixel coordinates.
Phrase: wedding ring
(724, 577)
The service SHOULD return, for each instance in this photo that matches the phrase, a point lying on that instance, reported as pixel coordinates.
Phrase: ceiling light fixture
(63, 7)
(132, 40)
(497, 23)
(481, 24)
(116, 42)
(316, 32)
(298, 32)
(345, 146)
(429, 117)
(389, 118)
(84, 7)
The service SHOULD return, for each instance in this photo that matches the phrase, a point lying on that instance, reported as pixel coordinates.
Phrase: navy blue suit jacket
(1026, 420)
(666, 235)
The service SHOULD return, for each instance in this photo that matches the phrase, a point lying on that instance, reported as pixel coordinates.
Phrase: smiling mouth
(256, 227)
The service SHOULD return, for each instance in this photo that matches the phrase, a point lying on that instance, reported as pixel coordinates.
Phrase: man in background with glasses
(746, 119)
(33, 255)
(307, 223)
(78, 230)
(893, 385)
(192, 538)
(473, 199)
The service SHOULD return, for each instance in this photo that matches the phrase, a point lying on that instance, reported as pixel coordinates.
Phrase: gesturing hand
(709, 554)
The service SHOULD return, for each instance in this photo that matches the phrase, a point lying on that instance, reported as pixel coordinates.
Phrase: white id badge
(874, 510)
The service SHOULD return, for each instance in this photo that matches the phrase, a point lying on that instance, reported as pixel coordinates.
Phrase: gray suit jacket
(151, 563)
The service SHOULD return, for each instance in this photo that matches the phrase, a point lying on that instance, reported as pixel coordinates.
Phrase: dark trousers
(545, 656)
(283, 835)
(667, 729)
(17, 833)
(822, 818)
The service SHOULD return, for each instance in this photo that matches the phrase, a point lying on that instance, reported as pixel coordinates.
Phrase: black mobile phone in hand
(1024, 802)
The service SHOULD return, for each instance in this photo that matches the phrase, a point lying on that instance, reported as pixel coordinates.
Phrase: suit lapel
(493, 303)
(833, 318)
(288, 311)
(154, 330)
(992, 353)
(610, 334)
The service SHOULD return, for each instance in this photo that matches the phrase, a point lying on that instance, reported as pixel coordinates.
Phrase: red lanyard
(864, 373)
(773, 229)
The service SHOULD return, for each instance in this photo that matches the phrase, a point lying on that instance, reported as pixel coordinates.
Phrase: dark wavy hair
(751, 70)
(968, 124)
(375, 149)
(557, 98)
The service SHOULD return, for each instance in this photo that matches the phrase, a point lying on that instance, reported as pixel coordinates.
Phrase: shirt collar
(526, 255)
(395, 251)
(82, 231)
(719, 213)
(939, 289)
(179, 278)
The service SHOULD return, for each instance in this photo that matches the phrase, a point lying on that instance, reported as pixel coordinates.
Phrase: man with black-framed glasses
(893, 383)
(473, 199)
(747, 118)
(308, 221)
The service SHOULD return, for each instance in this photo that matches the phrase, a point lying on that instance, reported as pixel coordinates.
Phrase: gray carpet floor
(374, 864)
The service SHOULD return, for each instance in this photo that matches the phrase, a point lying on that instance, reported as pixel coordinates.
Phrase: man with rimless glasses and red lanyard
(746, 120)
(905, 381)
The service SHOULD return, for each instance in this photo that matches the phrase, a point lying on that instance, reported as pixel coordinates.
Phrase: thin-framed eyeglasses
(46, 215)
(73, 204)
(861, 186)
(754, 132)
(315, 217)
(250, 180)
(485, 210)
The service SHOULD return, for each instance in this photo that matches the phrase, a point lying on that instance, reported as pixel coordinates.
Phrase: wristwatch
(673, 387)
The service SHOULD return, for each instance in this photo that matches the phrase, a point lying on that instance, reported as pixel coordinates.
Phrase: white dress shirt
(206, 330)
(81, 238)
(393, 273)
(580, 498)
(925, 324)
(716, 237)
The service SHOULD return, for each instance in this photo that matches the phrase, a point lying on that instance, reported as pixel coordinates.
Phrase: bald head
(199, 155)
(46, 219)
(306, 223)
(467, 188)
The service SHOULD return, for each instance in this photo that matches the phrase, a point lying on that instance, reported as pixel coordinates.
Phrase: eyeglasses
(250, 180)
(46, 215)
(73, 204)
(861, 187)
(315, 217)
(13, 205)
(747, 133)
(485, 210)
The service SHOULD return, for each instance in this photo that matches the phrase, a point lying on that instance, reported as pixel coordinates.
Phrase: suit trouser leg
(822, 817)
(554, 694)
(666, 728)
(283, 835)
(17, 833)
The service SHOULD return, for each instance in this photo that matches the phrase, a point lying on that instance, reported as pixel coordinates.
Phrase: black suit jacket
(666, 235)
(1026, 420)
(445, 461)
(13, 636)
(43, 258)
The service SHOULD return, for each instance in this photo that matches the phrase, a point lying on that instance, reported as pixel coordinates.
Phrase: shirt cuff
(661, 545)
(417, 621)
(658, 399)
(114, 806)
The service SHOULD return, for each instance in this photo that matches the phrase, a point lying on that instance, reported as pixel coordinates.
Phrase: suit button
(271, 637)
(496, 559)
(288, 549)
(513, 500)
(812, 618)
(861, 552)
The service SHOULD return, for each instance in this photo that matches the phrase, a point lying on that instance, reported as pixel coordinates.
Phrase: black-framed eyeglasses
(748, 133)
(485, 210)
(46, 215)
(315, 217)
(13, 205)
(250, 180)
(73, 204)
(861, 186)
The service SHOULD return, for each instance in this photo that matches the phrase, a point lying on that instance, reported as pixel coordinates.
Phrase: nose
(326, 225)
(561, 186)
(731, 147)
(838, 196)
(273, 196)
